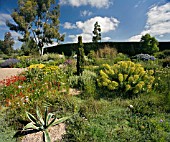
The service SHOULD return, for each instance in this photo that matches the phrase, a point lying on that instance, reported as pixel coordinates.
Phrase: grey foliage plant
(42, 124)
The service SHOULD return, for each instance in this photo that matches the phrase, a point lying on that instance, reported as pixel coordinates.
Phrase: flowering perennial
(125, 76)
(39, 66)
(12, 79)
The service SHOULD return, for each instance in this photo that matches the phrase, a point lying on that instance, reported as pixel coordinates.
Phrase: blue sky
(120, 20)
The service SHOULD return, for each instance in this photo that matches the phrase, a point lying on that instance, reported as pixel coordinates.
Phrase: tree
(149, 44)
(80, 56)
(37, 20)
(96, 32)
(29, 47)
(1, 46)
(7, 43)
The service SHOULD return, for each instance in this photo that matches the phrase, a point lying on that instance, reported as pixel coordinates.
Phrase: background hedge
(130, 48)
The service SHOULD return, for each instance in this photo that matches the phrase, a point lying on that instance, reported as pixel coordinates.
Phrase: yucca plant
(41, 124)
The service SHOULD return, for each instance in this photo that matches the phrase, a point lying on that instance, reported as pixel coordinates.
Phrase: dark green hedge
(130, 48)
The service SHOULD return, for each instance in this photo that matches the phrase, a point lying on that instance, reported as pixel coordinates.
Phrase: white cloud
(140, 2)
(4, 18)
(158, 14)
(85, 37)
(158, 22)
(73, 38)
(107, 24)
(85, 13)
(68, 25)
(93, 3)
(15, 35)
(135, 38)
(138, 37)
(106, 38)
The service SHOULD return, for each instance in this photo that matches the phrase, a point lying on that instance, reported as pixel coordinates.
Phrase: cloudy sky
(120, 20)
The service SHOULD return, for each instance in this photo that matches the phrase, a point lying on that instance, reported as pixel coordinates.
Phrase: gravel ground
(7, 72)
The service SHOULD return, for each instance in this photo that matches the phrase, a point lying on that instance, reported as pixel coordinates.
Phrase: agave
(41, 124)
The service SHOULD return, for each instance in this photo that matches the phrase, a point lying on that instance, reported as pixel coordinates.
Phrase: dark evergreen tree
(80, 56)
(96, 33)
(1, 46)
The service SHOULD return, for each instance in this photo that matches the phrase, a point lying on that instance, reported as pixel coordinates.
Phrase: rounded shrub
(9, 63)
(144, 57)
(125, 77)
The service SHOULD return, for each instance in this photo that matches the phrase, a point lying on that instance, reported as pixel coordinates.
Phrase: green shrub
(162, 85)
(52, 56)
(91, 57)
(121, 57)
(26, 62)
(100, 61)
(86, 82)
(111, 61)
(80, 81)
(106, 52)
(162, 55)
(166, 62)
(159, 55)
(149, 65)
(4, 56)
(125, 77)
(149, 44)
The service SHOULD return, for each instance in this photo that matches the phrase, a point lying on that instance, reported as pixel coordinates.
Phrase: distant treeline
(130, 48)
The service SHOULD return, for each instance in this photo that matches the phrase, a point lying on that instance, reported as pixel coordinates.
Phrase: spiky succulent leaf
(51, 123)
(31, 126)
(49, 116)
(58, 121)
(39, 116)
(31, 117)
(45, 115)
(46, 136)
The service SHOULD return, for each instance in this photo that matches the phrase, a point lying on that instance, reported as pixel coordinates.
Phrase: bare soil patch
(7, 72)
(55, 133)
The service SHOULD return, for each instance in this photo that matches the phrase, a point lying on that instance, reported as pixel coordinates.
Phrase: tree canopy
(37, 20)
(149, 44)
(6, 46)
(96, 33)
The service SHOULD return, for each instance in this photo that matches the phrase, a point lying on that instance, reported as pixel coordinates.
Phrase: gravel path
(7, 72)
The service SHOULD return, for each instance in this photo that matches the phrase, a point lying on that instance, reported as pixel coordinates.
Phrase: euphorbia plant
(41, 124)
(126, 77)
